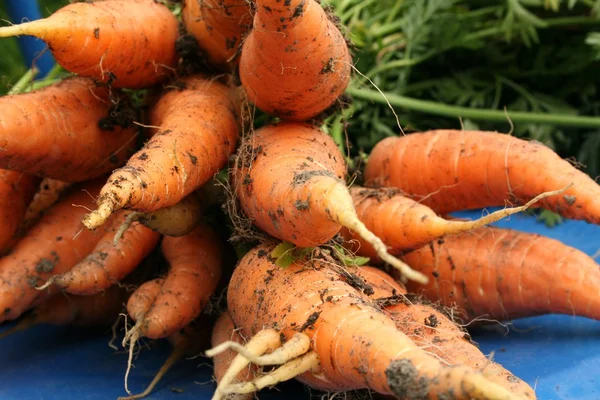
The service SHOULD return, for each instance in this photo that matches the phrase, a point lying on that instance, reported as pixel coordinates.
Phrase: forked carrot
(295, 62)
(198, 132)
(56, 132)
(352, 344)
(501, 274)
(451, 170)
(82, 37)
(289, 182)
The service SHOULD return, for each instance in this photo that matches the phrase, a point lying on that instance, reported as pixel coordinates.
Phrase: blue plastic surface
(31, 48)
(558, 355)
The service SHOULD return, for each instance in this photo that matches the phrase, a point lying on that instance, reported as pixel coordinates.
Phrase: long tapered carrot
(356, 345)
(83, 38)
(503, 274)
(218, 26)
(16, 193)
(451, 170)
(404, 224)
(48, 193)
(288, 180)
(435, 333)
(107, 264)
(57, 132)
(54, 245)
(295, 62)
(198, 132)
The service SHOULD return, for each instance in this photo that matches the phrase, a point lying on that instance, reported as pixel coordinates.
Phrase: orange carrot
(198, 132)
(54, 245)
(355, 344)
(98, 310)
(504, 274)
(16, 192)
(295, 62)
(404, 224)
(225, 330)
(289, 183)
(437, 334)
(48, 193)
(56, 132)
(218, 26)
(82, 37)
(451, 170)
(108, 264)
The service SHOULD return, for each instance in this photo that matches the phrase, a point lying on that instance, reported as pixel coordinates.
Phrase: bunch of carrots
(122, 207)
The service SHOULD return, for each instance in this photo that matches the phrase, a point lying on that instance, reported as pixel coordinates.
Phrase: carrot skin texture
(47, 194)
(451, 170)
(505, 274)
(142, 299)
(285, 191)
(195, 269)
(16, 192)
(82, 38)
(107, 264)
(218, 26)
(54, 132)
(53, 246)
(295, 62)
(262, 295)
(199, 129)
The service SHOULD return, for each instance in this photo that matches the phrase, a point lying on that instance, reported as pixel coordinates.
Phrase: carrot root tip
(97, 218)
(49, 283)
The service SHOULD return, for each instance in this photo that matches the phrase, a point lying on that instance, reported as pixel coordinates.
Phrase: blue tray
(558, 355)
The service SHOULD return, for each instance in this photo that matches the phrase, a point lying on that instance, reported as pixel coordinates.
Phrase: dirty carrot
(451, 170)
(53, 246)
(198, 132)
(289, 181)
(16, 193)
(501, 274)
(295, 62)
(47, 194)
(355, 345)
(107, 264)
(218, 26)
(82, 38)
(404, 224)
(63, 131)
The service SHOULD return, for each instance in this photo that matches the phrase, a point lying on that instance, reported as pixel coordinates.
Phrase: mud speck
(403, 379)
(432, 321)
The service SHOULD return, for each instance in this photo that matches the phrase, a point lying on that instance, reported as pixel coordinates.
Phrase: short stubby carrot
(502, 274)
(57, 132)
(218, 26)
(452, 170)
(53, 246)
(107, 264)
(16, 193)
(356, 344)
(83, 35)
(198, 132)
(288, 178)
(403, 223)
(295, 62)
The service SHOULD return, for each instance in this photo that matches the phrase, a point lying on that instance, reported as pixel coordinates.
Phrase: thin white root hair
(299, 344)
(284, 373)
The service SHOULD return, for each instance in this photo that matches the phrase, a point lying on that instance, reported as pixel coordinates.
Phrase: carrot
(189, 341)
(98, 310)
(48, 193)
(107, 264)
(16, 192)
(450, 170)
(54, 245)
(404, 224)
(56, 132)
(288, 180)
(295, 62)
(505, 274)
(434, 332)
(198, 132)
(82, 37)
(225, 330)
(218, 26)
(352, 344)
